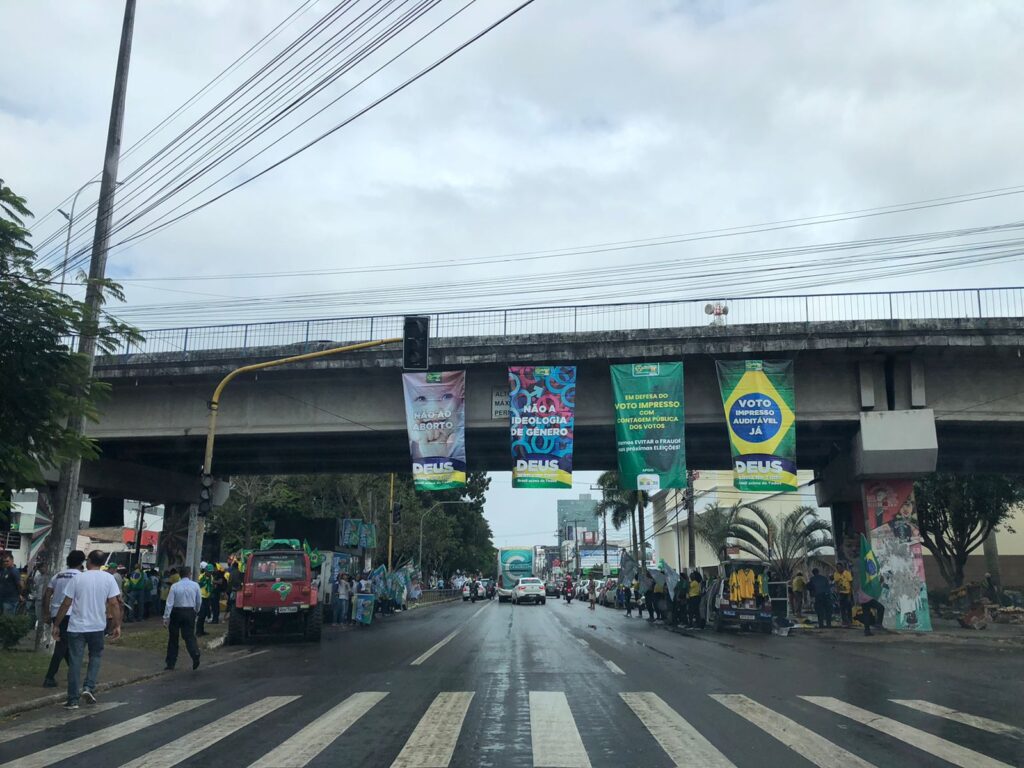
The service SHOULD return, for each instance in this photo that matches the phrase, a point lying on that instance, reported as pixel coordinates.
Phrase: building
(667, 525)
(30, 528)
(577, 515)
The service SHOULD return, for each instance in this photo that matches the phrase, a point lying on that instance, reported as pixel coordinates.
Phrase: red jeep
(276, 597)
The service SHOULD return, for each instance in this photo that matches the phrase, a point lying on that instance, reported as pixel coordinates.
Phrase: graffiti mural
(896, 542)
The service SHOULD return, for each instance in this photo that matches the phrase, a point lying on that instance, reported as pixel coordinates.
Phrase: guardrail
(438, 595)
(967, 303)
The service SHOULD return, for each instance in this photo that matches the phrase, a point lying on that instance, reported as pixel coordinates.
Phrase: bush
(13, 628)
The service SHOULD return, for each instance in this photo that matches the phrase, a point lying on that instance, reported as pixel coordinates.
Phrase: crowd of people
(828, 595)
(650, 592)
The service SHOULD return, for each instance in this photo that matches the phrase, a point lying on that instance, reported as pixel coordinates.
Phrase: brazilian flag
(870, 575)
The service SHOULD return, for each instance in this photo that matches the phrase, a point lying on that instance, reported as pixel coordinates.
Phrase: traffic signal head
(415, 343)
(205, 494)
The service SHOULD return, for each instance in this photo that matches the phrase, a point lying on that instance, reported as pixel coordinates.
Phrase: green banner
(649, 425)
(760, 414)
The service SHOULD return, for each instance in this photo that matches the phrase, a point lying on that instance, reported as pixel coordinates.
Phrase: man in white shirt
(183, 603)
(90, 597)
(52, 598)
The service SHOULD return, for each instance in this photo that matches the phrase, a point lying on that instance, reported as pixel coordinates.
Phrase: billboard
(435, 415)
(649, 425)
(542, 401)
(760, 414)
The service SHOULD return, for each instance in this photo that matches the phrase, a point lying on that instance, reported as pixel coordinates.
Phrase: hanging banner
(350, 532)
(649, 425)
(367, 535)
(542, 401)
(435, 416)
(760, 413)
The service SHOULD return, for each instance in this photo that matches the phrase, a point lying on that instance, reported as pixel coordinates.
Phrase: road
(491, 684)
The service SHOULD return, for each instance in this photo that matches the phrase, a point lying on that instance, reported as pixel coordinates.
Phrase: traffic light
(205, 494)
(415, 343)
(396, 513)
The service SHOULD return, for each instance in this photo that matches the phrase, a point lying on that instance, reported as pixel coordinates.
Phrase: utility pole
(68, 500)
(391, 520)
(691, 537)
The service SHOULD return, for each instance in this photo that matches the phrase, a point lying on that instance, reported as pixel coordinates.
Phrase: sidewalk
(946, 631)
(137, 656)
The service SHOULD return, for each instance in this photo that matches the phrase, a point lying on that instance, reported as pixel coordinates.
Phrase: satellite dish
(709, 309)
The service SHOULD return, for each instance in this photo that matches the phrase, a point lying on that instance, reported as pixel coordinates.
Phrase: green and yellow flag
(870, 575)
(760, 414)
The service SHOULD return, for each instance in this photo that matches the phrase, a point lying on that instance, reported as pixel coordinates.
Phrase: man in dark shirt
(822, 590)
(10, 585)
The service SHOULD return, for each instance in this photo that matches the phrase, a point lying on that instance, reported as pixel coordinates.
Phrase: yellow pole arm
(214, 404)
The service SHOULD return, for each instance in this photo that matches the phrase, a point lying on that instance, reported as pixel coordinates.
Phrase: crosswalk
(436, 729)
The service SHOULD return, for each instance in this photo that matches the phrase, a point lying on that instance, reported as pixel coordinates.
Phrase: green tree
(44, 381)
(956, 513)
(622, 505)
(799, 536)
(716, 524)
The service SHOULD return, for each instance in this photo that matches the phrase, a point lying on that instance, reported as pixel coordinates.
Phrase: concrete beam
(126, 480)
(896, 444)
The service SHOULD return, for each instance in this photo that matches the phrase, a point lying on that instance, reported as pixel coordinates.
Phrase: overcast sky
(576, 122)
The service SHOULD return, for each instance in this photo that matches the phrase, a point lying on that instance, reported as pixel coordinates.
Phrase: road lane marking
(432, 742)
(582, 642)
(992, 726)
(613, 667)
(681, 741)
(297, 751)
(803, 741)
(53, 720)
(926, 742)
(74, 747)
(443, 642)
(239, 657)
(556, 739)
(192, 743)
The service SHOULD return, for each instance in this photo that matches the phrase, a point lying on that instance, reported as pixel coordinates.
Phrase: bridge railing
(967, 303)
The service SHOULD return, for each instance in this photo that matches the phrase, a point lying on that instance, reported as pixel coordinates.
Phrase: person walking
(592, 592)
(137, 587)
(822, 591)
(872, 612)
(91, 598)
(693, 596)
(342, 599)
(627, 599)
(844, 589)
(10, 585)
(53, 596)
(183, 603)
(220, 586)
(647, 588)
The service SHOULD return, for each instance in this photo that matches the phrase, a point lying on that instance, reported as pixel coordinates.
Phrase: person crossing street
(52, 599)
(90, 598)
(183, 603)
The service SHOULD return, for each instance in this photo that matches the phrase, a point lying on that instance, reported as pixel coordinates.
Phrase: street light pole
(424, 517)
(71, 222)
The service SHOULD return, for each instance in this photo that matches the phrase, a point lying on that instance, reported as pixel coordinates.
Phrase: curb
(57, 698)
(435, 602)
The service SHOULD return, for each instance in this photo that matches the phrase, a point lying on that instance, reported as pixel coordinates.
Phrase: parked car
(607, 594)
(751, 611)
(551, 589)
(529, 590)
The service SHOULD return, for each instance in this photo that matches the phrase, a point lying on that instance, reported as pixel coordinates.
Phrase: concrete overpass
(345, 414)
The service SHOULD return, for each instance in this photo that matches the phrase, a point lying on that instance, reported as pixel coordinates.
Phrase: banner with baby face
(435, 415)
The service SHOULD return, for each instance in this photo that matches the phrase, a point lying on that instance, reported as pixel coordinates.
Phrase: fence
(438, 596)
(968, 303)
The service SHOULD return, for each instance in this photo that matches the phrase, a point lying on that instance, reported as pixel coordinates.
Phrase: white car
(529, 590)
(481, 591)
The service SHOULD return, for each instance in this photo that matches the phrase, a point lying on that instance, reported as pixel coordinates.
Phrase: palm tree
(797, 537)
(623, 505)
(715, 526)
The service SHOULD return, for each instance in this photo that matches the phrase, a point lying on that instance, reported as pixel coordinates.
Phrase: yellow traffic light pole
(196, 523)
(214, 403)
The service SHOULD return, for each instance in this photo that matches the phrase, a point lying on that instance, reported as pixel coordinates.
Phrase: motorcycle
(568, 594)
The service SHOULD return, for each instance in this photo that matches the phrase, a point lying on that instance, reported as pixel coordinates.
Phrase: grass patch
(22, 668)
(147, 639)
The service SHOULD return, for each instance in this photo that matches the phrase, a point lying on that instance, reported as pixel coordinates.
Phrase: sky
(573, 123)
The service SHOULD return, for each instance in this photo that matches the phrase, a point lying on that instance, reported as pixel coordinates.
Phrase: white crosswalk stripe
(196, 741)
(75, 747)
(556, 739)
(983, 723)
(683, 743)
(297, 751)
(804, 741)
(926, 742)
(432, 742)
(54, 720)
